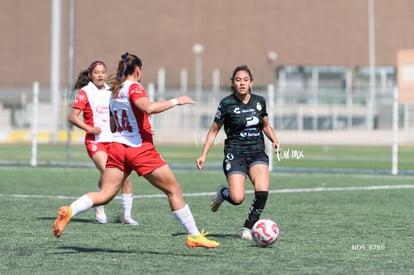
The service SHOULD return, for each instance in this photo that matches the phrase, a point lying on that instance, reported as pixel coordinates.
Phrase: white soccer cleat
(100, 214)
(246, 233)
(130, 221)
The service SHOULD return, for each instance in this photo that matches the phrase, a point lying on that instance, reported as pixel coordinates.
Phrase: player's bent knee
(237, 200)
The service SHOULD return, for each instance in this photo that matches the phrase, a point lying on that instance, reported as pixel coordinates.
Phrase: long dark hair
(126, 66)
(83, 80)
(238, 69)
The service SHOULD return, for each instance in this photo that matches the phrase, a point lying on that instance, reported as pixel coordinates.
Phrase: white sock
(127, 200)
(186, 219)
(81, 205)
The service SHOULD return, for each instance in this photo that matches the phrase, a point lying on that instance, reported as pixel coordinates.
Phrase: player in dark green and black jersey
(245, 122)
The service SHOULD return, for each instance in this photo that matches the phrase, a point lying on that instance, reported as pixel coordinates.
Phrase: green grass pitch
(330, 223)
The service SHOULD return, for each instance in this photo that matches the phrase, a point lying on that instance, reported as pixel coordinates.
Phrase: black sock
(256, 208)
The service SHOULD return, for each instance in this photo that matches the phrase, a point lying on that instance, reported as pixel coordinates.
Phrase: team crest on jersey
(259, 106)
(94, 147)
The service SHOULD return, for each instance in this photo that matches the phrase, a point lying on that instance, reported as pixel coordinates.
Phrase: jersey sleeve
(136, 91)
(264, 110)
(81, 100)
(220, 114)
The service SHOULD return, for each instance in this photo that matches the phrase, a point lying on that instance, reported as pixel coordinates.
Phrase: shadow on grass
(222, 236)
(77, 249)
(77, 220)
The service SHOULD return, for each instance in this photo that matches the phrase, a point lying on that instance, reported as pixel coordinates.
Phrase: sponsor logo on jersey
(244, 134)
(80, 98)
(218, 114)
(136, 90)
(250, 121)
(102, 109)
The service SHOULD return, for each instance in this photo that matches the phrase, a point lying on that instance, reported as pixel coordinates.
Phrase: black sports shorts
(240, 164)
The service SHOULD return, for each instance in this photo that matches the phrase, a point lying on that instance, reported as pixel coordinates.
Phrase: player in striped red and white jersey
(133, 150)
(93, 101)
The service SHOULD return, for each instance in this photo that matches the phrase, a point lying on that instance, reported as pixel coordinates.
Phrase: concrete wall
(162, 32)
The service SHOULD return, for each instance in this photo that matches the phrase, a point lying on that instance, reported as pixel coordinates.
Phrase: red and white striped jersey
(94, 104)
(133, 125)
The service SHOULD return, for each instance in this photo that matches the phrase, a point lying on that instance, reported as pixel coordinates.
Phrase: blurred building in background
(331, 65)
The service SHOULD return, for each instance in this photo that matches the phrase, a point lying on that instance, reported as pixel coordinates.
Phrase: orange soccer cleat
(62, 219)
(201, 241)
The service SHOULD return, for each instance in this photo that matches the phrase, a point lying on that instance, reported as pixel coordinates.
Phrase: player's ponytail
(126, 66)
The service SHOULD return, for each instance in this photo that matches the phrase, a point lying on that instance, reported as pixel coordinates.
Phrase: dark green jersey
(243, 124)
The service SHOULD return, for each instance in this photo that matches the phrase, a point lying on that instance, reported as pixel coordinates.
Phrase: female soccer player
(244, 117)
(133, 150)
(93, 101)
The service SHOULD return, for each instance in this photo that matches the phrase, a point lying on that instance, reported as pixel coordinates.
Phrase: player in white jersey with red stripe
(93, 101)
(133, 150)
(137, 129)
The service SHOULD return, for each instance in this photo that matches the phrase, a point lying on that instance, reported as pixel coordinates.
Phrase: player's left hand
(277, 148)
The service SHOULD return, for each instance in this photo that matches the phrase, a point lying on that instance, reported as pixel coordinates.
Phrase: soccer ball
(265, 232)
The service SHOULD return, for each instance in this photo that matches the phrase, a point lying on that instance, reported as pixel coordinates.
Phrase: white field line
(276, 191)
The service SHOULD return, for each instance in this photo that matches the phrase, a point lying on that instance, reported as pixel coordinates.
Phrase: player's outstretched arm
(154, 107)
